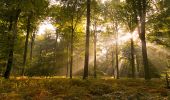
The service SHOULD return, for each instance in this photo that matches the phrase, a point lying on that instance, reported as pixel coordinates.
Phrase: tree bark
(95, 40)
(117, 59)
(67, 60)
(143, 40)
(71, 51)
(113, 64)
(11, 45)
(145, 60)
(132, 58)
(26, 43)
(137, 65)
(117, 62)
(86, 62)
(32, 46)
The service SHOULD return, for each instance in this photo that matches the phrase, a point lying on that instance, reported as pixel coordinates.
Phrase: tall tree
(117, 52)
(95, 49)
(34, 13)
(138, 9)
(32, 46)
(142, 4)
(129, 16)
(86, 62)
(13, 28)
(111, 8)
(26, 42)
(95, 13)
(69, 15)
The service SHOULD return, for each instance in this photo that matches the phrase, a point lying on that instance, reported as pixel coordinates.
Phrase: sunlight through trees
(85, 38)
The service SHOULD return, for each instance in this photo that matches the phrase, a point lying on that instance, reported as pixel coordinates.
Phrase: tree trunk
(26, 44)
(117, 62)
(137, 65)
(67, 60)
(132, 61)
(117, 59)
(95, 40)
(71, 55)
(142, 37)
(113, 65)
(11, 45)
(32, 46)
(86, 62)
(145, 60)
(132, 58)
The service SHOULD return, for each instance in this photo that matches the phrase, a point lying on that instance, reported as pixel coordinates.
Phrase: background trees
(114, 30)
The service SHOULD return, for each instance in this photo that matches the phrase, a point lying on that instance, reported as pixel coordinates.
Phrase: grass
(78, 89)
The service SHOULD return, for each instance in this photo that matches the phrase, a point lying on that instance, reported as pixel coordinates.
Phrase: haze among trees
(85, 49)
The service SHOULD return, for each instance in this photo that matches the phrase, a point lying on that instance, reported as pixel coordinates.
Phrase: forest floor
(78, 89)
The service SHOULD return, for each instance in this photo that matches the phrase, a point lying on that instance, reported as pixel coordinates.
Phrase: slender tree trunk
(167, 81)
(67, 60)
(32, 46)
(145, 60)
(117, 62)
(117, 59)
(95, 65)
(11, 45)
(132, 58)
(71, 51)
(143, 40)
(137, 65)
(86, 62)
(26, 44)
(113, 64)
(132, 61)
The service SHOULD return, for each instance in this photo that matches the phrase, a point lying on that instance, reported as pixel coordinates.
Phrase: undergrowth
(78, 89)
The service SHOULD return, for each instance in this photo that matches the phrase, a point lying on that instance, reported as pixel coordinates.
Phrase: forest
(84, 49)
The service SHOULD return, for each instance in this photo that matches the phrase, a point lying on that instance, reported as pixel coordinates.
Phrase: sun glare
(54, 2)
(127, 36)
(103, 1)
(44, 26)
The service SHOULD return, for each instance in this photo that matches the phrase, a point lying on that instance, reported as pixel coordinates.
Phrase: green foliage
(46, 59)
(158, 24)
(50, 60)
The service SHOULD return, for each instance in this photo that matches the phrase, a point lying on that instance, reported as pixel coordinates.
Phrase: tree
(86, 62)
(33, 11)
(68, 21)
(142, 4)
(95, 13)
(26, 42)
(113, 15)
(71, 15)
(13, 29)
(158, 23)
(129, 15)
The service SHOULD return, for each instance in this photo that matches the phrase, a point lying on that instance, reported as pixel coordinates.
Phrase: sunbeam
(105, 44)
